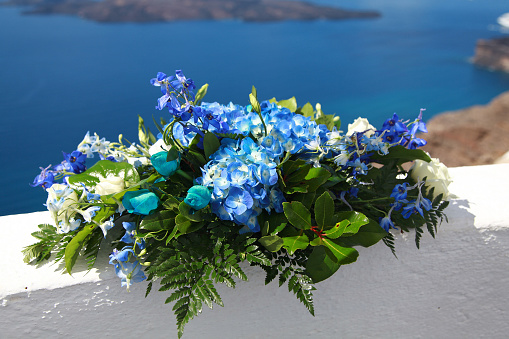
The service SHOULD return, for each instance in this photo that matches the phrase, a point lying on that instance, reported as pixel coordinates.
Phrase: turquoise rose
(198, 197)
(163, 167)
(140, 202)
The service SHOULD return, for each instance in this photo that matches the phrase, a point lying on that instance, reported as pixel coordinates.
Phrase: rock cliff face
(172, 10)
(493, 54)
(473, 136)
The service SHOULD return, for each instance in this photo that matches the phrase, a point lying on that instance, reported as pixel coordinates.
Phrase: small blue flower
(399, 192)
(120, 256)
(129, 272)
(76, 161)
(45, 179)
(387, 223)
(198, 197)
(141, 202)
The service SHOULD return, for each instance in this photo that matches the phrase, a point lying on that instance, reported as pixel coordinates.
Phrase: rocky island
(493, 54)
(174, 10)
(477, 135)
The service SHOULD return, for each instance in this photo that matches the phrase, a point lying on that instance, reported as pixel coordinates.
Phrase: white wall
(456, 286)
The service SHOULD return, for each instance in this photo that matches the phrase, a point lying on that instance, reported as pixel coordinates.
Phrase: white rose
(360, 125)
(159, 146)
(436, 173)
(109, 185)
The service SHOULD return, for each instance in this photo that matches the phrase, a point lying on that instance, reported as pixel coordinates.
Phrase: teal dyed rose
(140, 202)
(198, 197)
(163, 167)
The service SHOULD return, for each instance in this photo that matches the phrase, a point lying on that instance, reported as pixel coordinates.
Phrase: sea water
(62, 76)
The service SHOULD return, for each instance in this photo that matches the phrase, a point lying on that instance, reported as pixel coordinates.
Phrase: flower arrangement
(272, 184)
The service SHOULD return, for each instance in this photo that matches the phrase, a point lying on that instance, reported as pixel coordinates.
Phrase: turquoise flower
(198, 197)
(163, 167)
(140, 202)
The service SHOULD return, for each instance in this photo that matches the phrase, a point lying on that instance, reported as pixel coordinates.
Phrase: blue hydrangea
(243, 178)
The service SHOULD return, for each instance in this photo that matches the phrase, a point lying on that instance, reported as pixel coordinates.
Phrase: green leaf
(73, 248)
(316, 177)
(401, 154)
(297, 214)
(337, 230)
(356, 219)
(196, 158)
(162, 220)
(324, 207)
(320, 265)
(273, 223)
(299, 242)
(171, 203)
(105, 169)
(210, 144)
(185, 225)
(291, 104)
(272, 243)
(327, 120)
(173, 154)
(200, 94)
(367, 235)
(302, 188)
(306, 198)
(297, 175)
(343, 255)
(190, 213)
(306, 110)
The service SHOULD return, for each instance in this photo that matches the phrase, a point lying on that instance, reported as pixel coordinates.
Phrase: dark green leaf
(187, 226)
(401, 154)
(320, 265)
(367, 235)
(210, 144)
(172, 154)
(162, 220)
(190, 213)
(297, 214)
(324, 207)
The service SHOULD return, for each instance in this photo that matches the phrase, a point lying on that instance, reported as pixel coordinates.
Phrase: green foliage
(105, 169)
(210, 144)
(49, 241)
(291, 104)
(193, 263)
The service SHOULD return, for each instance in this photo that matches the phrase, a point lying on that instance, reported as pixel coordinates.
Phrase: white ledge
(455, 286)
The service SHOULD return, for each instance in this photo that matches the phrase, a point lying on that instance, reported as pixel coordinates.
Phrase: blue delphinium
(45, 179)
(128, 272)
(130, 235)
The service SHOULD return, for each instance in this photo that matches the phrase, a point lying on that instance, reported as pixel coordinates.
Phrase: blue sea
(62, 76)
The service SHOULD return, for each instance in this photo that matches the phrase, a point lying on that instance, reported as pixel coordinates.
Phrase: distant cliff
(472, 136)
(173, 10)
(493, 54)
